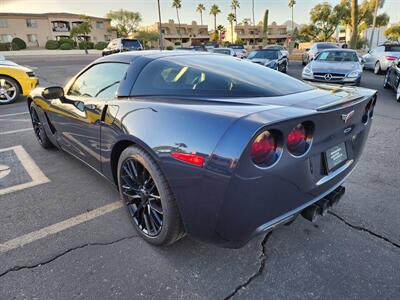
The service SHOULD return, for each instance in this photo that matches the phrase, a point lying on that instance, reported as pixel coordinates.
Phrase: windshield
(392, 48)
(263, 54)
(131, 44)
(197, 76)
(237, 47)
(222, 51)
(327, 46)
(338, 56)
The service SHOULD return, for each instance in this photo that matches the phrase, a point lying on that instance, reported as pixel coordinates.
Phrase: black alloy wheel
(141, 197)
(148, 198)
(39, 130)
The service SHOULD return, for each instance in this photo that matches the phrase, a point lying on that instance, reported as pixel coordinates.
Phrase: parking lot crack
(262, 262)
(360, 228)
(50, 260)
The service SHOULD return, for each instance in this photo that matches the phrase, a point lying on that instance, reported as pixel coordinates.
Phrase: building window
(100, 25)
(3, 23)
(6, 38)
(32, 38)
(60, 26)
(31, 23)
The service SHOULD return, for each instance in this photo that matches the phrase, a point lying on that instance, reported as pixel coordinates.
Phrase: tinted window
(339, 56)
(222, 51)
(327, 46)
(392, 48)
(99, 81)
(263, 54)
(237, 47)
(132, 44)
(197, 75)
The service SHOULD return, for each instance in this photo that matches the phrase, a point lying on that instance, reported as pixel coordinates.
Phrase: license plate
(335, 156)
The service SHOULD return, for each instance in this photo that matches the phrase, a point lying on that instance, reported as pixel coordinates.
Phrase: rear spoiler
(343, 102)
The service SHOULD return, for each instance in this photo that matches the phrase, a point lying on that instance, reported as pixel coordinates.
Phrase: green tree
(200, 9)
(147, 37)
(124, 21)
(291, 4)
(393, 33)
(235, 5)
(265, 28)
(177, 4)
(231, 18)
(214, 11)
(82, 30)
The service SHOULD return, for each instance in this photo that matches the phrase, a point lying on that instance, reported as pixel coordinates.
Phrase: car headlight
(353, 74)
(307, 71)
(31, 74)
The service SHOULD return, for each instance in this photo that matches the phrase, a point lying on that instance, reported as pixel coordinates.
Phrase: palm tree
(292, 3)
(354, 22)
(231, 19)
(160, 27)
(214, 10)
(177, 4)
(200, 9)
(235, 5)
(378, 4)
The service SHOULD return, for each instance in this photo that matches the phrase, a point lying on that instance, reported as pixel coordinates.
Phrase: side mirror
(54, 92)
(307, 49)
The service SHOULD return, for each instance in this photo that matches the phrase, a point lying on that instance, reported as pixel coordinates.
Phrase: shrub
(100, 45)
(178, 43)
(19, 42)
(51, 45)
(169, 48)
(66, 46)
(90, 45)
(7, 47)
(66, 41)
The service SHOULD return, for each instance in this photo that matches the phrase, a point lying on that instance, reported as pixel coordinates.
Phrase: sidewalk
(45, 52)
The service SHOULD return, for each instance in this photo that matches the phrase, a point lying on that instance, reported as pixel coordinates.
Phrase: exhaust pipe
(321, 207)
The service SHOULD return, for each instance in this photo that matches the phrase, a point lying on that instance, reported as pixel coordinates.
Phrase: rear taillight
(390, 57)
(299, 139)
(369, 110)
(265, 150)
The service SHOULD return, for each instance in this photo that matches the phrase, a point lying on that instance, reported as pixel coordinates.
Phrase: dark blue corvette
(213, 146)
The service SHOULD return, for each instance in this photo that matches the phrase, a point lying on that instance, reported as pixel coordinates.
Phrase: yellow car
(15, 80)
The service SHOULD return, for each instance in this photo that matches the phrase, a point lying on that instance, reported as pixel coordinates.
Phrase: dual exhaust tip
(322, 207)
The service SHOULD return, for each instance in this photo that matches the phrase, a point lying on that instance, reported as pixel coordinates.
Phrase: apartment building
(188, 34)
(253, 35)
(37, 29)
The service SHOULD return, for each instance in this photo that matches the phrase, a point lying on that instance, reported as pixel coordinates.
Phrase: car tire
(152, 209)
(285, 69)
(398, 93)
(386, 81)
(9, 90)
(377, 68)
(302, 61)
(38, 128)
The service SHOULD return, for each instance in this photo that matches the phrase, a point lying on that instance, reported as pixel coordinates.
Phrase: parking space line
(58, 227)
(15, 131)
(31, 168)
(16, 120)
(14, 114)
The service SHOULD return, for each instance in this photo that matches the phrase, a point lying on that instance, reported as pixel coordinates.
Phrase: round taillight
(299, 139)
(264, 150)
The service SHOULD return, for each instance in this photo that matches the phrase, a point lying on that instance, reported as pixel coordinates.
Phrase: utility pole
(254, 24)
(161, 42)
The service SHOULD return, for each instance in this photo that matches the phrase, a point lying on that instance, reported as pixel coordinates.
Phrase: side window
(100, 81)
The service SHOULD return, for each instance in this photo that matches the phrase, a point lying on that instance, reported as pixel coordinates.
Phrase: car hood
(334, 67)
(13, 65)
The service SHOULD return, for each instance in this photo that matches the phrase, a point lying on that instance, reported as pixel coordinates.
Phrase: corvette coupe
(196, 147)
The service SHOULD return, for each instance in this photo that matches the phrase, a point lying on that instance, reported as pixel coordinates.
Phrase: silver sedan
(381, 58)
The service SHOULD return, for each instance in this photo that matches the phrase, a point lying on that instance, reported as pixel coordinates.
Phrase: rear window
(392, 48)
(263, 54)
(131, 44)
(237, 47)
(222, 51)
(197, 76)
(327, 46)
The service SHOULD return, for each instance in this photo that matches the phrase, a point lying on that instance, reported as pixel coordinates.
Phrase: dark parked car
(392, 78)
(340, 66)
(122, 45)
(203, 150)
(316, 48)
(271, 58)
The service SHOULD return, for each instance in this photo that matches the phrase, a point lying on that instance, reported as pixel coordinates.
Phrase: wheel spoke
(154, 196)
(155, 215)
(154, 206)
(146, 221)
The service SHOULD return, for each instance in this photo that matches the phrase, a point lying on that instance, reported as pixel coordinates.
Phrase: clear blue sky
(279, 10)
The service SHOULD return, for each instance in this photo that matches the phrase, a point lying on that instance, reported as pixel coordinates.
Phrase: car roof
(222, 48)
(267, 49)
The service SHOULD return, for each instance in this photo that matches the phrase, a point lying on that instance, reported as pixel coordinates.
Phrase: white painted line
(16, 120)
(15, 114)
(58, 227)
(15, 131)
(31, 168)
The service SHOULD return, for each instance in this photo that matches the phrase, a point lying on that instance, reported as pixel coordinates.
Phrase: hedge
(100, 45)
(19, 42)
(51, 45)
(66, 46)
(7, 46)
(90, 45)
(66, 41)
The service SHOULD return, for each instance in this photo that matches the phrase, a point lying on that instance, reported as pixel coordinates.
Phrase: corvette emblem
(328, 76)
(346, 117)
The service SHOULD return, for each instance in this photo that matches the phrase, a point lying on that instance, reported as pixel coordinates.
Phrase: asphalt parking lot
(63, 234)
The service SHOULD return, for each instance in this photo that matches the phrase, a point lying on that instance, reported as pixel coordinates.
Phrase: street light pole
(160, 27)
